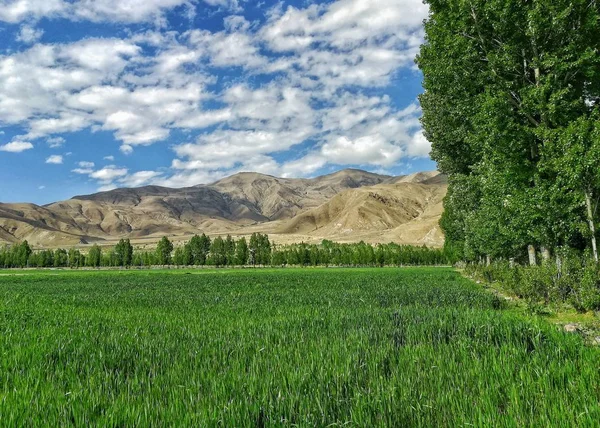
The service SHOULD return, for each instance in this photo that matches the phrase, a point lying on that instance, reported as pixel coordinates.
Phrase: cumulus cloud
(109, 173)
(28, 34)
(83, 171)
(14, 11)
(139, 178)
(123, 11)
(55, 142)
(55, 160)
(247, 97)
(347, 42)
(112, 176)
(16, 147)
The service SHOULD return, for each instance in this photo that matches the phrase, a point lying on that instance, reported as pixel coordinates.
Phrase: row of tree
(204, 251)
(512, 109)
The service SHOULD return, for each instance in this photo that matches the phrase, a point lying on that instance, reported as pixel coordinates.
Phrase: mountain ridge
(238, 204)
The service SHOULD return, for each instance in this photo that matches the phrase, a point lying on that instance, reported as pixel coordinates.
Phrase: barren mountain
(347, 205)
(281, 198)
(374, 213)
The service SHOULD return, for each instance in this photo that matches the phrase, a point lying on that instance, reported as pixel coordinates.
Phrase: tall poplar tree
(504, 80)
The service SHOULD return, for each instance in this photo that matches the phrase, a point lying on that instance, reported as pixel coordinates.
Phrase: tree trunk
(531, 251)
(545, 255)
(488, 260)
(590, 218)
(511, 262)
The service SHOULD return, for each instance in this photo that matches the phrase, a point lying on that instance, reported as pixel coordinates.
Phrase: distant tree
(75, 258)
(123, 253)
(241, 252)
(217, 252)
(61, 258)
(178, 259)
(163, 251)
(94, 258)
(187, 256)
(200, 247)
(229, 250)
(23, 253)
(260, 249)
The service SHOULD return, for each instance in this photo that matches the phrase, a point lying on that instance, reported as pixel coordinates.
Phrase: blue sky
(98, 94)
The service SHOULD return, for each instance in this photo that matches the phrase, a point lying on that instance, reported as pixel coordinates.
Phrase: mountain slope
(277, 198)
(375, 211)
(348, 200)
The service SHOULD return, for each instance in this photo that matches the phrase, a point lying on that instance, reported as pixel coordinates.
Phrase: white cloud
(55, 159)
(41, 187)
(127, 11)
(83, 171)
(126, 149)
(420, 146)
(112, 176)
(304, 166)
(16, 147)
(236, 46)
(109, 158)
(65, 123)
(17, 10)
(347, 42)
(107, 187)
(124, 11)
(29, 35)
(229, 4)
(109, 173)
(370, 149)
(257, 91)
(139, 178)
(55, 142)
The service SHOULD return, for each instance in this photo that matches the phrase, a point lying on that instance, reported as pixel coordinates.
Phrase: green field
(363, 347)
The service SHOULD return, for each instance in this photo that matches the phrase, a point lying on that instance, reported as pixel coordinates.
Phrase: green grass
(396, 347)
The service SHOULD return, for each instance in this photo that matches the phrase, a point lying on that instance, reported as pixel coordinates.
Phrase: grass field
(396, 347)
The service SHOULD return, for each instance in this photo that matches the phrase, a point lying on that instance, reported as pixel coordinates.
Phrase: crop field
(314, 347)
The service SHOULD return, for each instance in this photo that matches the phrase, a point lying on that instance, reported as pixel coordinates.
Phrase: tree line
(512, 109)
(219, 252)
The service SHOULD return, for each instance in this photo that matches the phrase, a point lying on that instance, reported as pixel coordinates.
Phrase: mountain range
(346, 206)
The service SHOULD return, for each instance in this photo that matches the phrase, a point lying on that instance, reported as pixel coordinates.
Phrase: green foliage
(164, 249)
(511, 107)
(123, 253)
(199, 248)
(241, 252)
(219, 252)
(16, 256)
(259, 249)
(574, 281)
(319, 347)
(94, 257)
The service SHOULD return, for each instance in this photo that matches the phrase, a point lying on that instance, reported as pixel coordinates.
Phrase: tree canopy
(511, 107)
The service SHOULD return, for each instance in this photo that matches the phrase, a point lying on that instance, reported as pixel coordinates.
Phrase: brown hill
(344, 205)
(280, 198)
(383, 212)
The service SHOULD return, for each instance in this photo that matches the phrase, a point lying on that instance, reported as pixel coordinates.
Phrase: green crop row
(364, 347)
